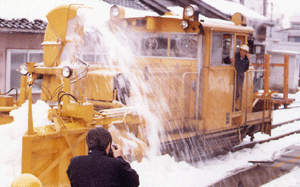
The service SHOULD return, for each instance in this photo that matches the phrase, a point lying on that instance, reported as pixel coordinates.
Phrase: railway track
(284, 123)
(262, 172)
(290, 107)
(194, 146)
(252, 144)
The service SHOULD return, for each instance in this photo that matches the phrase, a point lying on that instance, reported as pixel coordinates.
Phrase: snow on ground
(291, 180)
(164, 171)
(160, 171)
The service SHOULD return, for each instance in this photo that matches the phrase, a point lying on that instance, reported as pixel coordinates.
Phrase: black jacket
(99, 170)
(241, 65)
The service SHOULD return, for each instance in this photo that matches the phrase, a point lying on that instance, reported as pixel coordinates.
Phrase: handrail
(264, 97)
(196, 113)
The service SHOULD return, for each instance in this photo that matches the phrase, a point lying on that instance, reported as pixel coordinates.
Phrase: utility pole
(265, 4)
(271, 19)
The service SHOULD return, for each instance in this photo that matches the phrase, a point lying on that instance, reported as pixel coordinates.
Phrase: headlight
(23, 69)
(114, 11)
(67, 71)
(184, 24)
(189, 11)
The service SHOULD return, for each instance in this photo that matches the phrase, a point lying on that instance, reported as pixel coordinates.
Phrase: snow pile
(163, 171)
(11, 139)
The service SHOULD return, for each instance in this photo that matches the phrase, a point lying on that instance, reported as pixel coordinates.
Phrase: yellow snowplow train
(186, 84)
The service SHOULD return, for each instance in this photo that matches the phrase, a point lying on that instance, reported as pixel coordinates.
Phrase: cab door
(220, 81)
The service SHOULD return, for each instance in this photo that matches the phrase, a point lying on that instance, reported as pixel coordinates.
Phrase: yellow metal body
(101, 80)
(47, 153)
(238, 19)
(6, 105)
(6, 101)
(56, 40)
(5, 119)
(191, 92)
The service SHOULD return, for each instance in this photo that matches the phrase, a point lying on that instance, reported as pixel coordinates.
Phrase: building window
(17, 57)
(297, 39)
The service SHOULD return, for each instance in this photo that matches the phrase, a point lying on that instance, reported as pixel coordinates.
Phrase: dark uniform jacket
(241, 65)
(99, 170)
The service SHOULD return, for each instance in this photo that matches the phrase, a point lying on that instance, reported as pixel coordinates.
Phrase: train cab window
(154, 44)
(221, 49)
(183, 45)
(238, 44)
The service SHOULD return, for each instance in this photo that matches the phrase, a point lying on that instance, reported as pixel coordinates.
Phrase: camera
(110, 153)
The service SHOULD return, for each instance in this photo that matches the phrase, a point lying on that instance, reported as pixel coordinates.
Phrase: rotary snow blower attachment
(47, 150)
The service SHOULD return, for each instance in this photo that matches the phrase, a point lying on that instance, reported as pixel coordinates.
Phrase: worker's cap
(245, 47)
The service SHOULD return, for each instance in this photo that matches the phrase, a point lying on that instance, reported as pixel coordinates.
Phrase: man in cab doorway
(241, 64)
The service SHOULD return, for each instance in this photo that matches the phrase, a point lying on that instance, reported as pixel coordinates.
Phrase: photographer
(98, 168)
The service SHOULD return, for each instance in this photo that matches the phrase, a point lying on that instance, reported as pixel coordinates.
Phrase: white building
(277, 72)
(255, 5)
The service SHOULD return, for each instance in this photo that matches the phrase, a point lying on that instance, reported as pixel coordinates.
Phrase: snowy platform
(289, 159)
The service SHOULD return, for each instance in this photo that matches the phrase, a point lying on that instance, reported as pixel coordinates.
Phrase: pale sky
(287, 7)
(37, 9)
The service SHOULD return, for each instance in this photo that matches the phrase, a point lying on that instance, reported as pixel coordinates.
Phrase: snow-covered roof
(22, 25)
(38, 9)
(31, 14)
(178, 12)
(32, 10)
(230, 8)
